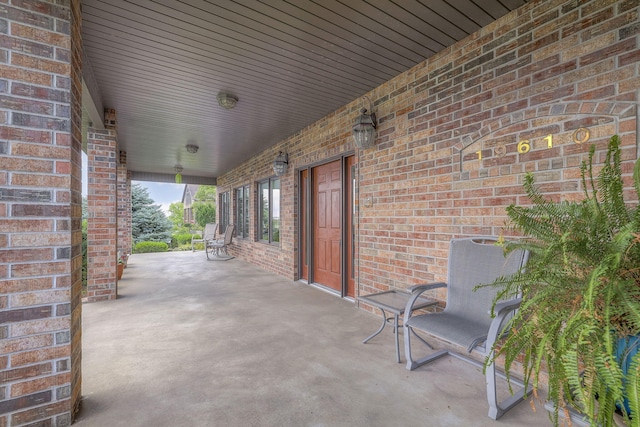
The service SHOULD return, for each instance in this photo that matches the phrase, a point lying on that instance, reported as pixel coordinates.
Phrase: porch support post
(40, 212)
(124, 206)
(102, 224)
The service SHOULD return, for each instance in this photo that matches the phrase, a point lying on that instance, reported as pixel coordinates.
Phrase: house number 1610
(580, 136)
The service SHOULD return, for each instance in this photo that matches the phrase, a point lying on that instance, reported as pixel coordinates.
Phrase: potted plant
(121, 266)
(580, 290)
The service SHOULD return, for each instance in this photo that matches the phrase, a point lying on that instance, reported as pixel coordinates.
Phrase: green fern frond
(580, 291)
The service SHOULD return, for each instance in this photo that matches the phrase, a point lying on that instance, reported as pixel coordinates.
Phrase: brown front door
(327, 225)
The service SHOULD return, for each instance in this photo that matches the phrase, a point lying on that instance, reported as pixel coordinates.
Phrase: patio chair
(209, 233)
(221, 244)
(466, 320)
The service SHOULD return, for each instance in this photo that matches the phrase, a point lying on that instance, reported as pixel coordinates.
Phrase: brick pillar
(124, 206)
(102, 230)
(40, 212)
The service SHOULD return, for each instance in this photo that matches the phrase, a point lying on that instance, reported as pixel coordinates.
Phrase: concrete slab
(192, 342)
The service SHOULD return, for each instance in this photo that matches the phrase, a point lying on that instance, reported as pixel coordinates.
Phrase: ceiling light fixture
(178, 170)
(227, 101)
(192, 148)
(364, 129)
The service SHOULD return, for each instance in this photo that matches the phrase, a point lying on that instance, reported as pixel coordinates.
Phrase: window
(242, 211)
(269, 210)
(223, 221)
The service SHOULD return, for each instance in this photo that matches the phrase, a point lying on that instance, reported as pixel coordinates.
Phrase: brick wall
(40, 212)
(528, 93)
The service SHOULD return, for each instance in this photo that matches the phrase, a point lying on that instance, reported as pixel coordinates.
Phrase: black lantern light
(280, 164)
(364, 129)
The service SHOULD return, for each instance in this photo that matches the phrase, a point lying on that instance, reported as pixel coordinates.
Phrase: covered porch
(191, 342)
(467, 99)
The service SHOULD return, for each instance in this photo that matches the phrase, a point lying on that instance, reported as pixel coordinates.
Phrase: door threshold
(331, 291)
(325, 289)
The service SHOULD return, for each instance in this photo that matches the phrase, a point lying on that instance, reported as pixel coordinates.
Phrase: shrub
(198, 246)
(183, 238)
(146, 247)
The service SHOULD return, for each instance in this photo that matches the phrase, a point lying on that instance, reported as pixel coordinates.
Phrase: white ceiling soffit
(160, 64)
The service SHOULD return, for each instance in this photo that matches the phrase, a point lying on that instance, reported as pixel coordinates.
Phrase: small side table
(394, 302)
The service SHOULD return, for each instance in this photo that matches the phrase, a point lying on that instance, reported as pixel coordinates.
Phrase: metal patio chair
(209, 233)
(220, 244)
(466, 321)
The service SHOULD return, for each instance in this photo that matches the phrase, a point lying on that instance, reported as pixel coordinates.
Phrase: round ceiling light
(227, 101)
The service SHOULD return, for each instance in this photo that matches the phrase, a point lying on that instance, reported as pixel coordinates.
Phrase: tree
(204, 213)
(85, 208)
(204, 206)
(206, 193)
(176, 215)
(149, 223)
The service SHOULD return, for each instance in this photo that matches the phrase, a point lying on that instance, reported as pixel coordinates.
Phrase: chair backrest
(210, 231)
(475, 261)
(228, 234)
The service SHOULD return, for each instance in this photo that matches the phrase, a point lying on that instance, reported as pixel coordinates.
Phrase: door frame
(305, 225)
(302, 225)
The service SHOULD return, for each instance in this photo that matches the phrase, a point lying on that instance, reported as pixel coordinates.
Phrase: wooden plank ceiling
(161, 63)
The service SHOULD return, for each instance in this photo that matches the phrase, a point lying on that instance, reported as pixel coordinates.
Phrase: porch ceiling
(161, 63)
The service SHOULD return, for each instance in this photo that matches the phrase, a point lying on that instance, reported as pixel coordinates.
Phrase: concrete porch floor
(192, 342)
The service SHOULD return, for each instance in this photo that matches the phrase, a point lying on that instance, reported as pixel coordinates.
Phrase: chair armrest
(425, 287)
(416, 291)
(502, 309)
(215, 242)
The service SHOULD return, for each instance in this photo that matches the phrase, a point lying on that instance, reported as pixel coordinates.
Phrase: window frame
(225, 204)
(273, 203)
(241, 213)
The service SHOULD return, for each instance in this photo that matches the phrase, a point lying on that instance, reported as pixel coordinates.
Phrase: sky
(162, 193)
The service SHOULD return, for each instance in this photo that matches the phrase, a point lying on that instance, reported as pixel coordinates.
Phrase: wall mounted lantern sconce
(178, 170)
(192, 148)
(227, 101)
(280, 164)
(364, 129)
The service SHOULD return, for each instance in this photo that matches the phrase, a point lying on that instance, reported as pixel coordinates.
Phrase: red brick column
(40, 212)
(124, 206)
(102, 230)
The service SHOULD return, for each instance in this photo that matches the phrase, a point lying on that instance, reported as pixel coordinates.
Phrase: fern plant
(580, 294)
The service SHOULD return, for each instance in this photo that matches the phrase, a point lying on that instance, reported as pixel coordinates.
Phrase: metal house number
(580, 136)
